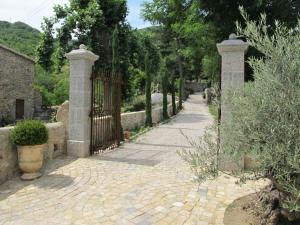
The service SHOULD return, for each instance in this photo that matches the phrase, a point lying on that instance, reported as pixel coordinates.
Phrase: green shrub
(137, 104)
(210, 68)
(265, 114)
(6, 120)
(265, 117)
(29, 132)
(214, 111)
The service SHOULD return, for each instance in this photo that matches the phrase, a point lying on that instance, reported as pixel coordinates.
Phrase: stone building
(16, 85)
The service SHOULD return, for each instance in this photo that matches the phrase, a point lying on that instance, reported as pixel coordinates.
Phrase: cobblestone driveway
(143, 182)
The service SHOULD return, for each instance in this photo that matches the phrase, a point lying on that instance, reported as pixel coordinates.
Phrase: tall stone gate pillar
(232, 78)
(81, 62)
(233, 68)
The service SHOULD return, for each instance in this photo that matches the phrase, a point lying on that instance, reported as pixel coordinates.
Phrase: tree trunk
(181, 79)
(148, 92)
(165, 95)
(173, 96)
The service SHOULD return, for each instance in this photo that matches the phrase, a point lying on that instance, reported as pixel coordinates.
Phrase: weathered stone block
(78, 148)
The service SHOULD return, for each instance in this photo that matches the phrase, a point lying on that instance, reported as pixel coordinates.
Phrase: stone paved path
(143, 182)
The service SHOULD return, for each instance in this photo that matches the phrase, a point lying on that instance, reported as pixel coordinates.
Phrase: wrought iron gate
(105, 111)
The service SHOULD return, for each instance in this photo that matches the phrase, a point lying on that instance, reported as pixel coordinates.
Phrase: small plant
(203, 157)
(6, 120)
(138, 131)
(138, 103)
(29, 132)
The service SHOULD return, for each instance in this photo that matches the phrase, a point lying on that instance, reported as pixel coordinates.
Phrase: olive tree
(265, 115)
(265, 119)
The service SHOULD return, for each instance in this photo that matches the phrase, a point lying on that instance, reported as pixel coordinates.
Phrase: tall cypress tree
(46, 46)
(164, 84)
(173, 93)
(115, 51)
(116, 73)
(148, 90)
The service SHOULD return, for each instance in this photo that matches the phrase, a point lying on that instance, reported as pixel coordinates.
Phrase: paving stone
(97, 191)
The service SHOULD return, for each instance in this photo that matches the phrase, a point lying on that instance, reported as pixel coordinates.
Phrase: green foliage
(92, 23)
(45, 48)
(115, 51)
(29, 132)
(19, 36)
(61, 88)
(6, 120)
(165, 87)
(214, 111)
(203, 158)
(137, 131)
(148, 90)
(266, 118)
(138, 103)
(170, 16)
(137, 81)
(211, 68)
(54, 87)
(223, 13)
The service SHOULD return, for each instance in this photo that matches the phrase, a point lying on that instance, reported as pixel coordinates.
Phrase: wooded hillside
(19, 36)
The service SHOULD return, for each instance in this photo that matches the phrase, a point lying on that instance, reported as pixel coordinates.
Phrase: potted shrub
(30, 137)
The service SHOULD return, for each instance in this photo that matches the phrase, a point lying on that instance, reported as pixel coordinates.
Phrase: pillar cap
(232, 45)
(82, 53)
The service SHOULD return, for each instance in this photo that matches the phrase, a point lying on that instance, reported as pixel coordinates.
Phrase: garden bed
(259, 208)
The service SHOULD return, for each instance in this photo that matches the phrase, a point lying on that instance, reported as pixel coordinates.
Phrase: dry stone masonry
(16, 83)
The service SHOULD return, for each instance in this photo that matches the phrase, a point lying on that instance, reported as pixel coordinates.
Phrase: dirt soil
(239, 212)
(252, 210)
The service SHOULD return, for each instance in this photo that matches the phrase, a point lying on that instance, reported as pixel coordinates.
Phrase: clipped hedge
(29, 132)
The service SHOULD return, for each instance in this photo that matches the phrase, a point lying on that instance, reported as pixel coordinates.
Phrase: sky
(33, 11)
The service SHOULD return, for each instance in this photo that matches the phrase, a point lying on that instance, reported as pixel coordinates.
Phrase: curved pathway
(142, 182)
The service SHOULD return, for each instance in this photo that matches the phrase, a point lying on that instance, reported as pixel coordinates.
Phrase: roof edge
(17, 53)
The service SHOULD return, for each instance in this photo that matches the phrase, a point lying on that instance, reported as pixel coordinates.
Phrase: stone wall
(136, 119)
(133, 119)
(16, 73)
(129, 120)
(8, 152)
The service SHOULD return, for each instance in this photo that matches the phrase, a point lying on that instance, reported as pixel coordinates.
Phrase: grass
(138, 131)
(214, 111)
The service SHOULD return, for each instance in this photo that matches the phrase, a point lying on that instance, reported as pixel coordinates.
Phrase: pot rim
(31, 145)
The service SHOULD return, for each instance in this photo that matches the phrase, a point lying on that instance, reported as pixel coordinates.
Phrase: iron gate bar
(105, 111)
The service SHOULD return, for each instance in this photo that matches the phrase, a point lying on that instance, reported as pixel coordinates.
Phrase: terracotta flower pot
(31, 160)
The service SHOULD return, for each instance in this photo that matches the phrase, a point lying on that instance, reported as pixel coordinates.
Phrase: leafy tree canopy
(224, 13)
(19, 36)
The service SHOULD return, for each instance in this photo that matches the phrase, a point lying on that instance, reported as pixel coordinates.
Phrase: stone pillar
(233, 68)
(81, 62)
(232, 78)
